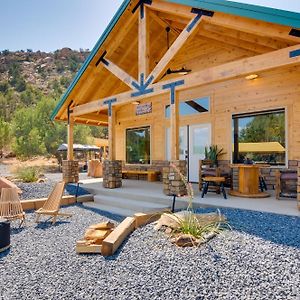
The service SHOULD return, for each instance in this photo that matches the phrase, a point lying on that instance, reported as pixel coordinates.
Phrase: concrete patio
(139, 195)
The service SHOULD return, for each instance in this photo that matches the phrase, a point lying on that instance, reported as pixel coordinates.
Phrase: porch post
(111, 134)
(70, 155)
(70, 166)
(172, 181)
(112, 168)
(175, 128)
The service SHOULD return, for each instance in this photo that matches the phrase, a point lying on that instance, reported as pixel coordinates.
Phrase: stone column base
(112, 174)
(70, 169)
(172, 182)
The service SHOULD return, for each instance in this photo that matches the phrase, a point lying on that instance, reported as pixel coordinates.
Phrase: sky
(48, 25)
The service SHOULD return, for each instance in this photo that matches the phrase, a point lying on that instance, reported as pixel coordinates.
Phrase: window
(260, 137)
(191, 107)
(138, 145)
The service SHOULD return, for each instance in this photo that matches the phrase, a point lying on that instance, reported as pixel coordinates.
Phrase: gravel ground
(35, 190)
(245, 263)
(42, 190)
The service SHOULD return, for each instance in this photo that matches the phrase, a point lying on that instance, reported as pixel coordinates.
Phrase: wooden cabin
(169, 77)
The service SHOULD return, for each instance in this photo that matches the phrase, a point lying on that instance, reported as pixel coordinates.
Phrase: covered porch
(143, 196)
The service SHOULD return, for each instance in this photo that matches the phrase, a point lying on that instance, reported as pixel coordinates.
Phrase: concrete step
(111, 209)
(122, 193)
(135, 205)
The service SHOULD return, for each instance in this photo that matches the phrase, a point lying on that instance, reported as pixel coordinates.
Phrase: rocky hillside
(27, 77)
(46, 72)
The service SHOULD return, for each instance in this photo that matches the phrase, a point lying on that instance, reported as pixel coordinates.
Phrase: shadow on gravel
(48, 224)
(4, 253)
(279, 229)
(117, 218)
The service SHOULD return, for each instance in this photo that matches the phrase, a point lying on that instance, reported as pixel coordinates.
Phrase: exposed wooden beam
(187, 32)
(163, 23)
(256, 48)
(243, 24)
(117, 71)
(248, 37)
(235, 69)
(103, 118)
(144, 45)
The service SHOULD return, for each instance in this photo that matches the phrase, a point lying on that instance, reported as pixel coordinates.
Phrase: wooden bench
(151, 175)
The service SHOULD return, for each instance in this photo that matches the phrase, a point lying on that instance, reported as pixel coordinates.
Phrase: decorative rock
(186, 240)
(97, 236)
(103, 225)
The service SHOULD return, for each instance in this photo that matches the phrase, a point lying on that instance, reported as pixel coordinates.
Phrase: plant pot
(4, 235)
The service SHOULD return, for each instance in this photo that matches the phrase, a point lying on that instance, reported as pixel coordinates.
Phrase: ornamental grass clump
(28, 174)
(189, 228)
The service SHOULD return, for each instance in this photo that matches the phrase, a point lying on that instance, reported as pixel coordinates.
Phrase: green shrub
(28, 174)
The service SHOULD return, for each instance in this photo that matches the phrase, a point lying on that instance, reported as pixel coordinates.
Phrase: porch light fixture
(251, 77)
(136, 102)
(182, 71)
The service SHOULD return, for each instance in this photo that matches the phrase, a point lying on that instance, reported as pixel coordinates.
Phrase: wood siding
(279, 88)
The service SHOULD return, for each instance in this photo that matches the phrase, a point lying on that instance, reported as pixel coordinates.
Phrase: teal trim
(96, 48)
(262, 13)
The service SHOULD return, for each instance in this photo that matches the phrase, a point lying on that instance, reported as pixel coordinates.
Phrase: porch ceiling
(212, 45)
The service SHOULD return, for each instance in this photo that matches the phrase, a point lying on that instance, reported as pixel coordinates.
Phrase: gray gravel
(35, 190)
(42, 264)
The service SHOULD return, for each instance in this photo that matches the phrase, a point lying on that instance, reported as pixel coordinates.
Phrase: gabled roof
(261, 13)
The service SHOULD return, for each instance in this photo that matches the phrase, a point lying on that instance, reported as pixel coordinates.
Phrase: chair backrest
(206, 169)
(54, 199)
(10, 204)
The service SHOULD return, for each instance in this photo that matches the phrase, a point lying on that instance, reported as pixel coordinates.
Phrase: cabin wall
(279, 88)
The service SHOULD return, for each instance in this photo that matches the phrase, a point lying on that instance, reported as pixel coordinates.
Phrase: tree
(4, 134)
(27, 140)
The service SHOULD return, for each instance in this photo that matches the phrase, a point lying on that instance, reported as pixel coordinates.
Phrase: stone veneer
(70, 169)
(112, 174)
(156, 165)
(268, 173)
(172, 182)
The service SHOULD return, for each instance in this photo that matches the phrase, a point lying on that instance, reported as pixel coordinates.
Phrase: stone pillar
(112, 174)
(70, 169)
(298, 185)
(172, 181)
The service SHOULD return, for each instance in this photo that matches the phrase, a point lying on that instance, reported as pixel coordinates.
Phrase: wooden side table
(218, 181)
(248, 182)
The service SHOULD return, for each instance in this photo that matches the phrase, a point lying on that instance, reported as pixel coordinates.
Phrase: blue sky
(48, 25)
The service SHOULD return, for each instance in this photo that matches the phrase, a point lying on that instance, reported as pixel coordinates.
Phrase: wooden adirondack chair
(10, 205)
(52, 205)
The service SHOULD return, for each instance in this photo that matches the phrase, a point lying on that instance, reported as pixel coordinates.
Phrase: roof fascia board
(94, 51)
(261, 13)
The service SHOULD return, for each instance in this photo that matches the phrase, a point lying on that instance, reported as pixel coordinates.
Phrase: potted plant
(212, 153)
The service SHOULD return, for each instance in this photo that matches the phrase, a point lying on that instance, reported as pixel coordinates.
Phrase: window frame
(190, 115)
(284, 110)
(125, 144)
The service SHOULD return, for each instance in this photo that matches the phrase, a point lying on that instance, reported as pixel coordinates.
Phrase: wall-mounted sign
(145, 108)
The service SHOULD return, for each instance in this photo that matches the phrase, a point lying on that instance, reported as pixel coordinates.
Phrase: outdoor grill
(4, 235)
